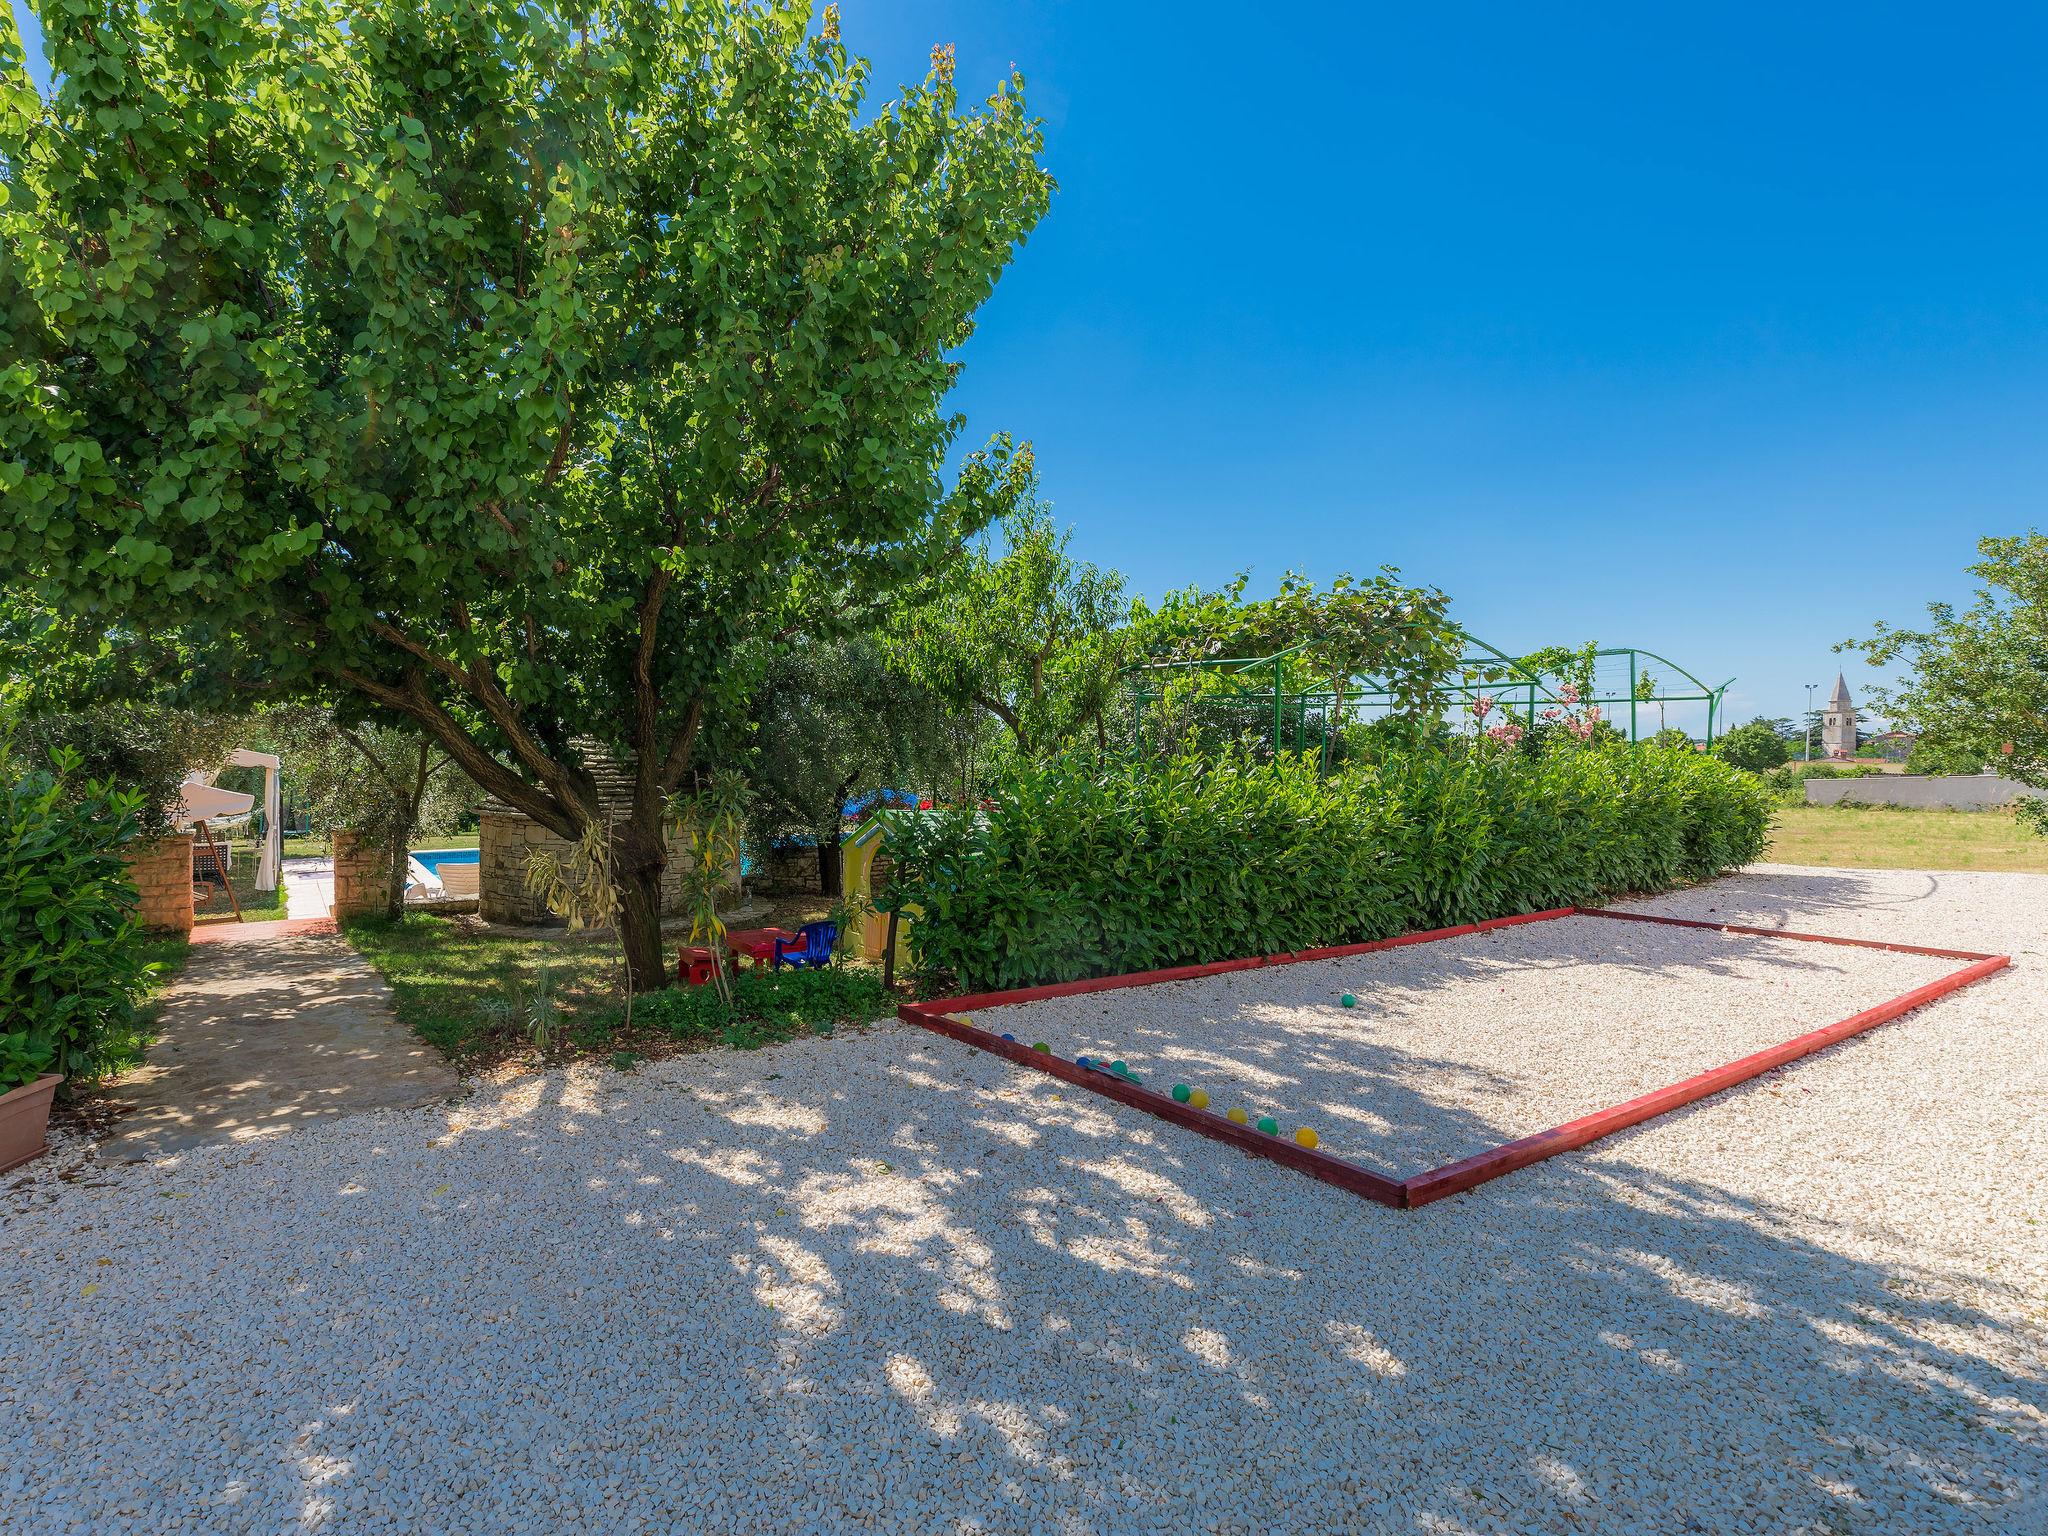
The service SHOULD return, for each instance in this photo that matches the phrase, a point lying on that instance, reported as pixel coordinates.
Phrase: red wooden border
(1781, 933)
(1452, 1178)
(1317, 1165)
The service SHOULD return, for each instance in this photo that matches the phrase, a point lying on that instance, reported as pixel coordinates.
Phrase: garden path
(270, 1026)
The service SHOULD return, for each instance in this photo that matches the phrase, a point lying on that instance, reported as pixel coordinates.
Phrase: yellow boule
(1306, 1137)
(1199, 1098)
(1237, 1116)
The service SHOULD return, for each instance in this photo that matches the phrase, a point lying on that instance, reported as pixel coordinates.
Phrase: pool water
(432, 859)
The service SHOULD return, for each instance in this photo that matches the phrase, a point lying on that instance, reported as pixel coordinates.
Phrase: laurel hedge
(1083, 867)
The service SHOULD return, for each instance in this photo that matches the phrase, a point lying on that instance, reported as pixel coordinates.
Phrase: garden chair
(811, 947)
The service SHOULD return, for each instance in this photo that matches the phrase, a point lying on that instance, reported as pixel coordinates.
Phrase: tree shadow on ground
(624, 1297)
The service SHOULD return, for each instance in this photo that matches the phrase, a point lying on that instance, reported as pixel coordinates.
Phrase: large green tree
(505, 365)
(1032, 636)
(1976, 686)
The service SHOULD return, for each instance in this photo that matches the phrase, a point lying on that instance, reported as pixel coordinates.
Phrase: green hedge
(1083, 868)
(72, 958)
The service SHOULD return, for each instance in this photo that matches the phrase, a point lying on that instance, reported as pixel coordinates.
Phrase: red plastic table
(758, 944)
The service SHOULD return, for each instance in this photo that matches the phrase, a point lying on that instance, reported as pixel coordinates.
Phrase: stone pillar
(362, 875)
(161, 868)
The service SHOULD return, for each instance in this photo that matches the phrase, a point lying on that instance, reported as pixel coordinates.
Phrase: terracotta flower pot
(24, 1116)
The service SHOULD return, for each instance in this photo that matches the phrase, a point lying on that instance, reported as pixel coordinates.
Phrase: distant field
(1863, 838)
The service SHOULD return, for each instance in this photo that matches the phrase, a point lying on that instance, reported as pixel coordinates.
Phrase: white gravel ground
(887, 1283)
(1460, 1045)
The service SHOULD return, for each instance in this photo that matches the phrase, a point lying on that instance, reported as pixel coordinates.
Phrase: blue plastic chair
(812, 946)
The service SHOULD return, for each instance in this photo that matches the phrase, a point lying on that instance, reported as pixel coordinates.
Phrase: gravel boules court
(883, 1282)
(1455, 1046)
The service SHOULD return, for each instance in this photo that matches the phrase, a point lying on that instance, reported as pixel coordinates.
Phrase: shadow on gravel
(930, 1293)
(1583, 1347)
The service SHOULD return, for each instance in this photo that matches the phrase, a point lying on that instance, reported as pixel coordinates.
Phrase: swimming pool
(428, 872)
(431, 859)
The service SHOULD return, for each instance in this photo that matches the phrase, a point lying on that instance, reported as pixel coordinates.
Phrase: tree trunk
(394, 887)
(828, 865)
(640, 930)
(639, 857)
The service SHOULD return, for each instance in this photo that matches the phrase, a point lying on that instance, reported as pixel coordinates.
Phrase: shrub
(1932, 756)
(1788, 783)
(1082, 868)
(1754, 746)
(71, 953)
(767, 1005)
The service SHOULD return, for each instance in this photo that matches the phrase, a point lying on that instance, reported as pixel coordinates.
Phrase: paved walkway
(308, 887)
(271, 1025)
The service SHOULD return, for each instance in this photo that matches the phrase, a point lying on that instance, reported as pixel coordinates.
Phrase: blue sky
(1718, 333)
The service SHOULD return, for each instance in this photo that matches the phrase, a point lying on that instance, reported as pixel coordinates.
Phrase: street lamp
(1809, 720)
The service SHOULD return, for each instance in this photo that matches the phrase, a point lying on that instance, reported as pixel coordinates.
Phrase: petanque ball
(1040, 1045)
(1269, 1125)
(1349, 1001)
(1236, 1116)
(1011, 1038)
(1199, 1098)
(1182, 1093)
(1083, 1063)
(1307, 1137)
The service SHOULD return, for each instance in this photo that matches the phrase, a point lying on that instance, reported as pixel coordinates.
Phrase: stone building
(1838, 722)
(507, 838)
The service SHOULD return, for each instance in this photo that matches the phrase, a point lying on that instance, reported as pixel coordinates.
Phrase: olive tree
(504, 365)
(832, 722)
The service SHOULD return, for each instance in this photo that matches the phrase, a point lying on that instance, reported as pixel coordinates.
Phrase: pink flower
(1568, 692)
(1552, 714)
(1482, 706)
(1592, 711)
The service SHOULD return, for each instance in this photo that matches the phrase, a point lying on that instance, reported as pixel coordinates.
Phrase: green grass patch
(472, 994)
(451, 978)
(1896, 837)
(257, 906)
(317, 845)
(127, 1043)
(767, 1006)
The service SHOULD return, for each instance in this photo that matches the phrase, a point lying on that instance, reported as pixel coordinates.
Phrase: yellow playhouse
(863, 862)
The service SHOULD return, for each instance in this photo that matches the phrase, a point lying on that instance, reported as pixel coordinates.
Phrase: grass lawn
(257, 906)
(469, 992)
(1865, 837)
(317, 845)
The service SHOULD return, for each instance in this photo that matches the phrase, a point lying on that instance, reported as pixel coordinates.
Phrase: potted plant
(26, 1086)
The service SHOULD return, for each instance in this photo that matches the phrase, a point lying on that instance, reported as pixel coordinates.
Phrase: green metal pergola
(1307, 711)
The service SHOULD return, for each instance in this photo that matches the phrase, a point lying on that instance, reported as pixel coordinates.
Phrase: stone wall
(787, 870)
(162, 871)
(506, 840)
(362, 876)
(1948, 791)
